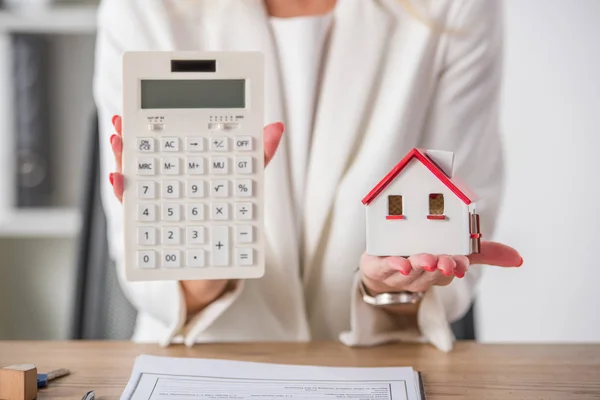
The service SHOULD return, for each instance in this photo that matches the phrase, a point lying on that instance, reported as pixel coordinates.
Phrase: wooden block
(18, 382)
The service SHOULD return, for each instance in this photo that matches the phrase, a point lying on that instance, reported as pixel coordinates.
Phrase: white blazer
(390, 83)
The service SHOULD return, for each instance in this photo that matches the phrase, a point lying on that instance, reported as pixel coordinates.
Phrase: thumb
(273, 134)
(497, 254)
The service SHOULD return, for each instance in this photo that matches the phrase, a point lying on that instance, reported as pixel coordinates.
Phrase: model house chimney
(443, 159)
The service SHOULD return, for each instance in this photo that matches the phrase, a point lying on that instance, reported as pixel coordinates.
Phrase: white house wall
(417, 234)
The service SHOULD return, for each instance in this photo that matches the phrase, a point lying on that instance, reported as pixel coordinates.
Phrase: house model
(421, 207)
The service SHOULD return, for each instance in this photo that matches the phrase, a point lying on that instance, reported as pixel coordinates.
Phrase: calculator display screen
(170, 94)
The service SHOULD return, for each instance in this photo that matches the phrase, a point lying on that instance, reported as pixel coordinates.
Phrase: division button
(243, 211)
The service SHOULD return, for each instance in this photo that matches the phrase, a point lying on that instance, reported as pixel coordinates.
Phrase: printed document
(163, 378)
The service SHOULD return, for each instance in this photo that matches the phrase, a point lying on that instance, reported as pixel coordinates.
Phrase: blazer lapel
(357, 45)
(243, 25)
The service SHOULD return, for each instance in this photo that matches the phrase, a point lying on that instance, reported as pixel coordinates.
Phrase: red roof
(457, 187)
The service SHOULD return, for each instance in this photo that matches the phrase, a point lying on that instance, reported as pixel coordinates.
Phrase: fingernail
(446, 273)
(111, 178)
(112, 138)
(114, 119)
(404, 272)
(521, 263)
(281, 126)
(459, 274)
(430, 269)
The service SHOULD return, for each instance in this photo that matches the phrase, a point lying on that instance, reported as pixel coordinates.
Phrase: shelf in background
(56, 19)
(40, 223)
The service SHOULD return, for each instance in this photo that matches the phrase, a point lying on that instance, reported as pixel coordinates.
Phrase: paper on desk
(156, 378)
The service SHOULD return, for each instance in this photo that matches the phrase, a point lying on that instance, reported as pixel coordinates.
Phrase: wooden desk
(471, 371)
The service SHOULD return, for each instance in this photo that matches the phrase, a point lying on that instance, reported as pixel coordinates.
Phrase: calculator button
(170, 189)
(244, 234)
(146, 212)
(145, 145)
(146, 166)
(194, 165)
(231, 125)
(195, 212)
(146, 259)
(219, 165)
(147, 189)
(219, 211)
(194, 144)
(243, 143)
(243, 165)
(171, 212)
(215, 126)
(171, 259)
(170, 165)
(244, 256)
(194, 235)
(169, 144)
(219, 242)
(156, 127)
(219, 188)
(243, 188)
(219, 144)
(194, 188)
(171, 235)
(194, 258)
(243, 211)
(146, 236)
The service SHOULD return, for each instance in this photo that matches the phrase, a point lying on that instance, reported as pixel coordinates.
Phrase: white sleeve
(463, 119)
(139, 25)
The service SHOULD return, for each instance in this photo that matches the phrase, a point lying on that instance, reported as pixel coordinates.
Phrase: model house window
(436, 204)
(395, 209)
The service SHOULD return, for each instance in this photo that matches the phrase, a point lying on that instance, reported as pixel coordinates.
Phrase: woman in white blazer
(358, 83)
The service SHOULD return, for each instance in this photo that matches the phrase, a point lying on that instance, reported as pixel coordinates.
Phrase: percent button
(243, 188)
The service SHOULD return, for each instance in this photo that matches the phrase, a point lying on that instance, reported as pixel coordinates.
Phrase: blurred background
(53, 264)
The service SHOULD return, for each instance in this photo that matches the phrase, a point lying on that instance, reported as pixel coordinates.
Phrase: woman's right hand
(198, 294)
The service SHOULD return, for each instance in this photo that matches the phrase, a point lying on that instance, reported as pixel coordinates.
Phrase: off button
(243, 143)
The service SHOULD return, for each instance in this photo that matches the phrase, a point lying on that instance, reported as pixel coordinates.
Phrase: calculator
(193, 163)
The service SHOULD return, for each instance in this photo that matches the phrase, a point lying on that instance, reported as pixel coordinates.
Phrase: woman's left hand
(420, 272)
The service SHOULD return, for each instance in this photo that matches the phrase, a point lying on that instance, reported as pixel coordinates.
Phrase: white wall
(551, 124)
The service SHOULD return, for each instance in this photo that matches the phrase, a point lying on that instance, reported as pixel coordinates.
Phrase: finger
(273, 134)
(117, 122)
(118, 182)
(446, 265)
(400, 264)
(423, 262)
(116, 143)
(379, 269)
(427, 280)
(497, 254)
(462, 266)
